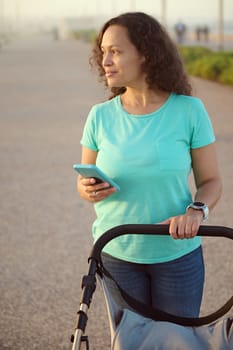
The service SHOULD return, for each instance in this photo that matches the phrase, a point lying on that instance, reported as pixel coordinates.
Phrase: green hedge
(207, 64)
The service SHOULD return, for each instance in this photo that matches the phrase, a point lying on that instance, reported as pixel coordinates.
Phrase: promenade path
(46, 91)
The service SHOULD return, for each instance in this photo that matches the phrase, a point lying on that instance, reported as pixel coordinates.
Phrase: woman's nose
(107, 60)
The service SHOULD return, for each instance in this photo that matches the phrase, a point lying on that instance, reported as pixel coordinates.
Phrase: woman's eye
(112, 52)
(115, 52)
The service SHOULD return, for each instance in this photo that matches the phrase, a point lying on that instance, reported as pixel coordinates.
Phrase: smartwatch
(200, 206)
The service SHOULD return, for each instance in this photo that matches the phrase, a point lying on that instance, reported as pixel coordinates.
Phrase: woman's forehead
(115, 35)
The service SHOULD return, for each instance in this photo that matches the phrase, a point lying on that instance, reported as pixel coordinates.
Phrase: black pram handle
(158, 229)
(153, 229)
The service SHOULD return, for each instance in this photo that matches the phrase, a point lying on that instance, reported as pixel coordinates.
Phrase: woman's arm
(206, 174)
(208, 191)
(87, 188)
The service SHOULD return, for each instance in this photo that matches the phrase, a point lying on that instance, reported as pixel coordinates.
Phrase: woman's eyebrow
(110, 46)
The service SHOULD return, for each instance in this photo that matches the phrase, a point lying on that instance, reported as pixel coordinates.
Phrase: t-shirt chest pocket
(174, 155)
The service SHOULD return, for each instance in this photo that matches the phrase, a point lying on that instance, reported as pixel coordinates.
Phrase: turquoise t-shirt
(149, 157)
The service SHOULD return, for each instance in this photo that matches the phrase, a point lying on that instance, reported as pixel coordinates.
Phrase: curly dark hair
(163, 65)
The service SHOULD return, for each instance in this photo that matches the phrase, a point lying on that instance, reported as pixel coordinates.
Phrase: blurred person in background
(180, 31)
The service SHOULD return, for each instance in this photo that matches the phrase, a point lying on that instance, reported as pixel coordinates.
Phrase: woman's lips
(110, 74)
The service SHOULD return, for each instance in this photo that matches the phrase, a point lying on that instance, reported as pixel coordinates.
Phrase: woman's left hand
(186, 225)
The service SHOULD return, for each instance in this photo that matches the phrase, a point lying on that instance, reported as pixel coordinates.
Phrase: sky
(185, 10)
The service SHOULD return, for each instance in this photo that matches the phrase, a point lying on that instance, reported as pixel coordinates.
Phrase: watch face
(199, 204)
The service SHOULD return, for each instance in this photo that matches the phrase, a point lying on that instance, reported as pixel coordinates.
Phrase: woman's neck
(143, 102)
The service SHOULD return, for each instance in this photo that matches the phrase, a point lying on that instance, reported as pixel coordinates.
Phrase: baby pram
(141, 328)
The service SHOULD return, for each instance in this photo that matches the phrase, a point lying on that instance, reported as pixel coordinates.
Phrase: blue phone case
(91, 170)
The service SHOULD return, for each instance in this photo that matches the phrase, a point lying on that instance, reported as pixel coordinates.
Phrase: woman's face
(121, 60)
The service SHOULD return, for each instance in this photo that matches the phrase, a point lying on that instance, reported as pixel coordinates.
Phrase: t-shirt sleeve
(202, 128)
(89, 132)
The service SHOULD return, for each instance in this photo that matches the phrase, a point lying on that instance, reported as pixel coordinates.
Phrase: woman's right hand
(92, 191)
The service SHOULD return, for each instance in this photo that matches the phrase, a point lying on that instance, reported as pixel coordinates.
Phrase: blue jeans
(175, 286)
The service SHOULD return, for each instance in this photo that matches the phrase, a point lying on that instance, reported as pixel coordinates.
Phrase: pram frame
(95, 266)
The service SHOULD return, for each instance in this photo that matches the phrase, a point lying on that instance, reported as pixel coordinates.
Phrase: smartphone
(91, 170)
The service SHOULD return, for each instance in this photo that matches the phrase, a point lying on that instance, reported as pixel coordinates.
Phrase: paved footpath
(46, 91)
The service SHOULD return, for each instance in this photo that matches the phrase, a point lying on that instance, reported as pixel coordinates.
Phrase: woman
(148, 137)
